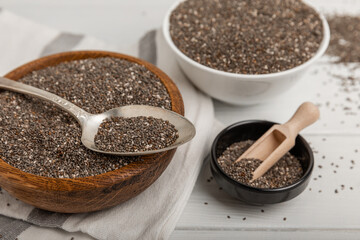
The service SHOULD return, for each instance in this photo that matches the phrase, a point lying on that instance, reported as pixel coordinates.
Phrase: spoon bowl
(185, 128)
(90, 122)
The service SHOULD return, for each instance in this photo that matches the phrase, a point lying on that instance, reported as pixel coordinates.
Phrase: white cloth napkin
(152, 214)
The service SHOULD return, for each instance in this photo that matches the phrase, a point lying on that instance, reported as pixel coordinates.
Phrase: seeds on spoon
(135, 134)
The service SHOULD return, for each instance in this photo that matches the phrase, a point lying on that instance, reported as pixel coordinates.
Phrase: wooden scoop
(279, 139)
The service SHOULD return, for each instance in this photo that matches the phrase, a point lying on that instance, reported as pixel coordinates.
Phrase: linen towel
(152, 214)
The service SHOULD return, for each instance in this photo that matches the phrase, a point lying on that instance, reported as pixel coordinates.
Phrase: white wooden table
(318, 213)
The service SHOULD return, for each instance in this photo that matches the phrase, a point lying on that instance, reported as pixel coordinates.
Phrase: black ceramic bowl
(253, 130)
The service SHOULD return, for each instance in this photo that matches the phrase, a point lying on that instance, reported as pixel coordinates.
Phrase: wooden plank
(264, 234)
(116, 22)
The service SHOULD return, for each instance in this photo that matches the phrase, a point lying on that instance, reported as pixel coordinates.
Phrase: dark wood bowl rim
(101, 180)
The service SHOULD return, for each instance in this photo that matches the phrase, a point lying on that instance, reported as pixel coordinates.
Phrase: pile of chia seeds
(285, 172)
(135, 134)
(344, 47)
(39, 138)
(345, 37)
(246, 36)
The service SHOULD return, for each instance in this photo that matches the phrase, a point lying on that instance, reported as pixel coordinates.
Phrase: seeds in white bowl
(246, 36)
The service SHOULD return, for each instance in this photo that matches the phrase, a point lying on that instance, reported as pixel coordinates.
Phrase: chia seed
(38, 138)
(246, 36)
(285, 172)
(135, 134)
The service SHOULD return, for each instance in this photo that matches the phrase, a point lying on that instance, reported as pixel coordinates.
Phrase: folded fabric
(152, 214)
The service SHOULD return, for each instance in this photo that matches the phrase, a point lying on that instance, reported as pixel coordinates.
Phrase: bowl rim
(106, 179)
(238, 76)
(296, 184)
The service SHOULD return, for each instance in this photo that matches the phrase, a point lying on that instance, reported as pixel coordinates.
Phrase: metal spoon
(90, 122)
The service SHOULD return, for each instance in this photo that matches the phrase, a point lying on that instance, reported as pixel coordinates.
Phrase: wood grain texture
(95, 192)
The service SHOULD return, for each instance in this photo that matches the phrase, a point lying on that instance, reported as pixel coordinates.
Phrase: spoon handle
(79, 114)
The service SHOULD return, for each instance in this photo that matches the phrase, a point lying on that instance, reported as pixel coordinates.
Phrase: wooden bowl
(89, 193)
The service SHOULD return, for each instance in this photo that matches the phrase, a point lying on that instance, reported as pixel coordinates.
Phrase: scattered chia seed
(228, 217)
(205, 203)
(336, 191)
(8, 204)
(246, 36)
(285, 172)
(244, 218)
(39, 138)
(135, 134)
(284, 218)
(262, 210)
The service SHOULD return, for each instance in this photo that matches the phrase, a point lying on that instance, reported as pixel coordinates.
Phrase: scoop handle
(305, 115)
(69, 107)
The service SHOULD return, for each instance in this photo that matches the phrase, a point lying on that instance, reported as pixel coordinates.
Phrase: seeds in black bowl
(135, 134)
(38, 138)
(246, 36)
(285, 172)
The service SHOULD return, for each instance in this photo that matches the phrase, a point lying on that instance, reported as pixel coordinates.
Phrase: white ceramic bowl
(241, 89)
